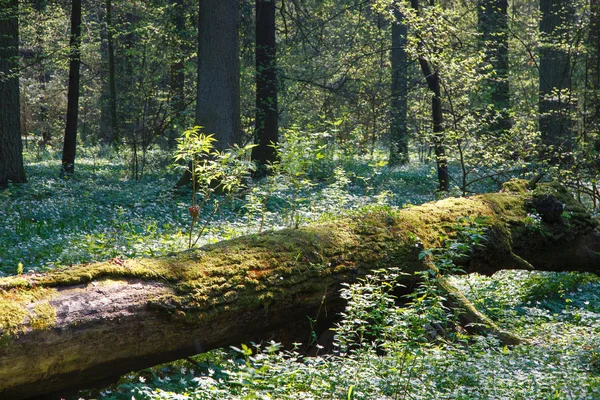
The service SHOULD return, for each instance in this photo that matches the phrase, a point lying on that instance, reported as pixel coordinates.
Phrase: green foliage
(469, 234)
(389, 346)
(386, 351)
(366, 319)
(97, 215)
(542, 286)
(101, 213)
(334, 79)
(312, 179)
(212, 172)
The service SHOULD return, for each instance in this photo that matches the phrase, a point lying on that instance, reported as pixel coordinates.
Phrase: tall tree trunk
(112, 86)
(433, 82)
(398, 128)
(43, 123)
(177, 76)
(218, 92)
(493, 27)
(267, 115)
(592, 104)
(218, 88)
(70, 141)
(86, 323)
(555, 102)
(438, 132)
(11, 147)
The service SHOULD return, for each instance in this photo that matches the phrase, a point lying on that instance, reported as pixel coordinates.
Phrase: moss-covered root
(473, 319)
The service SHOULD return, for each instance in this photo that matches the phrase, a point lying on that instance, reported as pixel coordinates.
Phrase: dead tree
(81, 325)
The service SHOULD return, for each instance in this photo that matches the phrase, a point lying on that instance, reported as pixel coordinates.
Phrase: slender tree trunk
(555, 102)
(70, 141)
(433, 82)
(177, 69)
(398, 128)
(493, 27)
(43, 124)
(112, 86)
(267, 116)
(11, 147)
(218, 92)
(438, 134)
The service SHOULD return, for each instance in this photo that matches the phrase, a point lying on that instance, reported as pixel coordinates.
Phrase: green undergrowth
(386, 348)
(391, 350)
(101, 213)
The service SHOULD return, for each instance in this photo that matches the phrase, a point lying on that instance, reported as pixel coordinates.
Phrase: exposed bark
(84, 324)
(11, 148)
(267, 115)
(70, 140)
(398, 128)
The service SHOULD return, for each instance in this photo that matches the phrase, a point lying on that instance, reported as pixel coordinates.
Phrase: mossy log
(78, 326)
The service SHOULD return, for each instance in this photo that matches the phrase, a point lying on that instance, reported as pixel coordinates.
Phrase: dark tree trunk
(218, 90)
(112, 86)
(84, 324)
(493, 27)
(398, 128)
(266, 129)
(43, 76)
(11, 147)
(40, 5)
(433, 82)
(555, 102)
(70, 141)
(218, 95)
(592, 104)
(177, 69)
(438, 135)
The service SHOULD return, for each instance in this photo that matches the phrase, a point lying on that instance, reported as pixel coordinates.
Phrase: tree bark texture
(11, 147)
(555, 102)
(218, 92)
(86, 323)
(493, 26)
(70, 140)
(267, 115)
(398, 128)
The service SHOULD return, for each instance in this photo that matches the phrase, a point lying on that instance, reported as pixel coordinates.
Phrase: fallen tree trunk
(78, 326)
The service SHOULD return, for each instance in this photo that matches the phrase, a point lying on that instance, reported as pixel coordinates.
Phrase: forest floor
(386, 351)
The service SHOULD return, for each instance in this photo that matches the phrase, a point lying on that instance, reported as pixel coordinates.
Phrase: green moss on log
(257, 270)
(44, 316)
(15, 314)
(12, 316)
